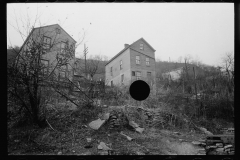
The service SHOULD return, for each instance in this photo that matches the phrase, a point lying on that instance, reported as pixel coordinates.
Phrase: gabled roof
(129, 47)
(58, 26)
(43, 27)
(147, 44)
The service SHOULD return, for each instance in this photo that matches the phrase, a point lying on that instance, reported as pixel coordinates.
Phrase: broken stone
(196, 142)
(177, 133)
(140, 130)
(103, 146)
(86, 153)
(103, 152)
(219, 145)
(205, 131)
(96, 124)
(129, 138)
(228, 146)
(220, 149)
(139, 153)
(105, 116)
(133, 124)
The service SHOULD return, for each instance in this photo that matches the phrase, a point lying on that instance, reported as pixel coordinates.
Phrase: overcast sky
(202, 30)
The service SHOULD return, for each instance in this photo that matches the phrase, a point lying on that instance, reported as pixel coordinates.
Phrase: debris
(220, 149)
(103, 152)
(103, 146)
(133, 124)
(219, 145)
(129, 138)
(59, 153)
(139, 153)
(140, 130)
(196, 143)
(86, 153)
(228, 146)
(96, 124)
(205, 131)
(89, 144)
(105, 116)
(83, 126)
(105, 106)
(177, 133)
(136, 126)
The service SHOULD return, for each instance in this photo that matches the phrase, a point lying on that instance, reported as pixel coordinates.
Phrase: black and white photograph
(120, 79)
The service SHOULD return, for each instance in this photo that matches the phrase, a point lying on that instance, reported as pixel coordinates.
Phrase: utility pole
(85, 51)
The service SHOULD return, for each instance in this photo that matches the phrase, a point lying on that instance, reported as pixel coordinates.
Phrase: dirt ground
(152, 141)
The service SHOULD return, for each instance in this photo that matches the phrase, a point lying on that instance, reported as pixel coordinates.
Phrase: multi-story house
(134, 62)
(53, 43)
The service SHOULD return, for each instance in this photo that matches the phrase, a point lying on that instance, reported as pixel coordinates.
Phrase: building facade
(52, 43)
(134, 62)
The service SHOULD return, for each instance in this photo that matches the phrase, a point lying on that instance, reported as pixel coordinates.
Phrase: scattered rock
(205, 131)
(140, 153)
(136, 126)
(228, 146)
(129, 138)
(196, 143)
(86, 153)
(96, 124)
(103, 152)
(220, 149)
(220, 145)
(105, 116)
(103, 146)
(133, 124)
(177, 133)
(140, 130)
(105, 106)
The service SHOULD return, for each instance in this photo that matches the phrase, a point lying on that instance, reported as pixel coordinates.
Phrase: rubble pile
(117, 120)
(220, 149)
(222, 144)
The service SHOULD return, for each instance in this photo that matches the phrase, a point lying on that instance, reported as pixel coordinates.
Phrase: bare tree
(33, 72)
(228, 66)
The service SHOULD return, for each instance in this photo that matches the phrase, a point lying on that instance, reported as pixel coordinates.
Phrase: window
(138, 74)
(111, 71)
(62, 75)
(141, 46)
(111, 83)
(122, 78)
(45, 66)
(75, 69)
(121, 65)
(137, 60)
(46, 42)
(133, 73)
(149, 74)
(62, 47)
(58, 31)
(147, 62)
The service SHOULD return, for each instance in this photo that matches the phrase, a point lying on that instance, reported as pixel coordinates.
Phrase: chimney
(126, 45)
